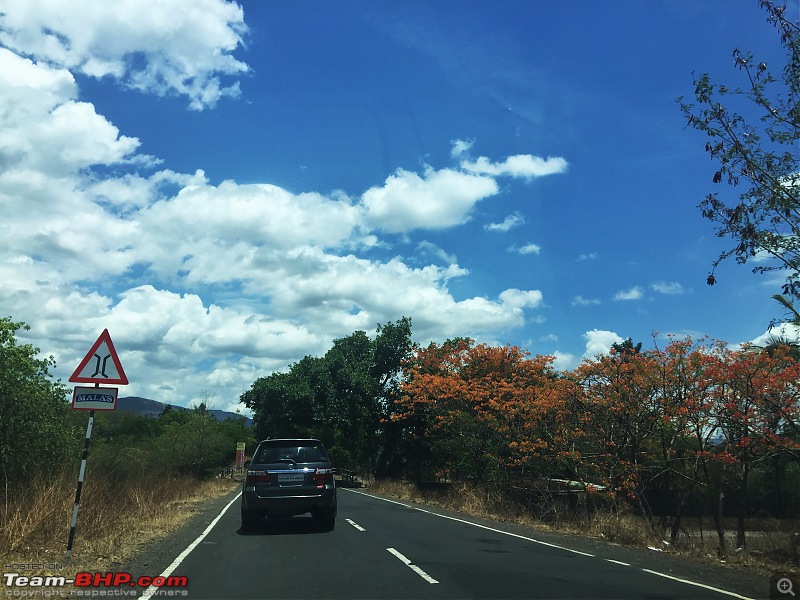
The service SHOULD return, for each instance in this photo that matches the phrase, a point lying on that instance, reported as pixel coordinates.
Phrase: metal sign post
(94, 368)
(81, 475)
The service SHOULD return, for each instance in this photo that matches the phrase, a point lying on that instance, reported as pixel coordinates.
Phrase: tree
(343, 398)
(33, 411)
(758, 152)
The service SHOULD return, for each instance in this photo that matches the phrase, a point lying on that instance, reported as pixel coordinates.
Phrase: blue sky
(229, 187)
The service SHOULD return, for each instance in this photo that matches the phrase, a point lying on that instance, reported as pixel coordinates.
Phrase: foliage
(753, 132)
(188, 443)
(472, 409)
(35, 430)
(344, 398)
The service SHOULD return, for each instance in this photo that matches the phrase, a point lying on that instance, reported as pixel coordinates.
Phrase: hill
(153, 408)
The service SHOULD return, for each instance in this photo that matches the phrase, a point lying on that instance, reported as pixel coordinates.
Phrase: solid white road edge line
(168, 571)
(414, 568)
(701, 585)
(356, 525)
(516, 535)
(686, 581)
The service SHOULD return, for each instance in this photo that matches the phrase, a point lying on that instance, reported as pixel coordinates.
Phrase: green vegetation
(136, 464)
(345, 399)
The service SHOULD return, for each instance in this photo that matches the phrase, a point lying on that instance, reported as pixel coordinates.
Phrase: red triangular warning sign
(101, 364)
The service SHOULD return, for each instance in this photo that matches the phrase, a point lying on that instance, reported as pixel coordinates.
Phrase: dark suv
(289, 477)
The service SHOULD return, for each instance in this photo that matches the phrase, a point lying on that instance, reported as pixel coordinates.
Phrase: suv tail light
(257, 477)
(322, 476)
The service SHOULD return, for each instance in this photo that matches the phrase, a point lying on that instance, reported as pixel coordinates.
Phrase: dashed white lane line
(356, 525)
(413, 567)
(535, 541)
(618, 562)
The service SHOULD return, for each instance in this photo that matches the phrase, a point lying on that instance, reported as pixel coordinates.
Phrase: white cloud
(589, 256)
(520, 165)
(460, 147)
(784, 331)
(436, 200)
(634, 293)
(164, 47)
(511, 221)
(581, 301)
(203, 287)
(599, 341)
(671, 288)
(528, 249)
(515, 298)
(564, 361)
(426, 248)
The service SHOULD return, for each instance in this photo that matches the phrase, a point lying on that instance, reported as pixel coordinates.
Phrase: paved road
(382, 549)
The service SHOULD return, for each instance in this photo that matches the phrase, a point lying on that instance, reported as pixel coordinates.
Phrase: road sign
(101, 364)
(94, 398)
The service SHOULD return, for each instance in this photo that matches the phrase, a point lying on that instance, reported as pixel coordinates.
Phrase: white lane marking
(686, 581)
(701, 585)
(516, 535)
(356, 525)
(618, 562)
(176, 563)
(378, 498)
(413, 567)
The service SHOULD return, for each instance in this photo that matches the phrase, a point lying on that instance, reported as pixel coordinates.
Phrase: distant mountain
(153, 408)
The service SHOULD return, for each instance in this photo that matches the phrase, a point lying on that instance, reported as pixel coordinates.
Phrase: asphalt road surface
(384, 549)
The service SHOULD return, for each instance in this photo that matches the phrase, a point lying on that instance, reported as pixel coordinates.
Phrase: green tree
(33, 411)
(753, 131)
(343, 398)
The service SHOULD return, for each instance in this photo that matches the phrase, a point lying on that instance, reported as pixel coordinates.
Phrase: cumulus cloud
(564, 361)
(520, 165)
(165, 47)
(589, 256)
(434, 200)
(511, 221)
(599, 341)
(634, 293)
(784, 331)
(204, 287)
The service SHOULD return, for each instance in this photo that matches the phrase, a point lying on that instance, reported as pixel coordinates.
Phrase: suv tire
(249, 520)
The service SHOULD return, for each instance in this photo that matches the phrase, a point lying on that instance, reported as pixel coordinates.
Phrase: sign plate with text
(94, 398)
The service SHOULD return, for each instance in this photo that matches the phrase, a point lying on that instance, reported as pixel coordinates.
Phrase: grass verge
(115, 519)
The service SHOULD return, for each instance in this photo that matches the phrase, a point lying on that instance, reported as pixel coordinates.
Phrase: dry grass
(114, 519)
(768, 541)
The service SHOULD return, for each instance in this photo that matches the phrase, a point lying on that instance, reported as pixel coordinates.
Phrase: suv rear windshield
(300, 451)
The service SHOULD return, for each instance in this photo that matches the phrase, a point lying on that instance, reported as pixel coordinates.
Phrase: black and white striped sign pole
(81, 475)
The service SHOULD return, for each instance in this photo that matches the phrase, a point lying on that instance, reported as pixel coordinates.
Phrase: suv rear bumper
(287, 506)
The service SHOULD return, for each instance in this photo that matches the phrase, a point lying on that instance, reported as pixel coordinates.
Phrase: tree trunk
(718, 516)
(741, 508)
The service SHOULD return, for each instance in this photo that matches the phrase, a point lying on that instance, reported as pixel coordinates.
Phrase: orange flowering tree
(618, 416)
(471, 410)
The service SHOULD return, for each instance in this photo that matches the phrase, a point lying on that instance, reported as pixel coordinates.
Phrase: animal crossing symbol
(101, 364)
